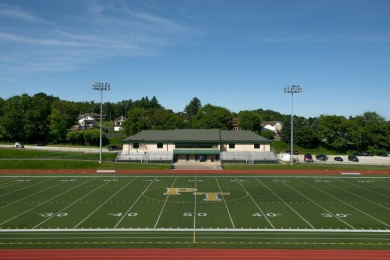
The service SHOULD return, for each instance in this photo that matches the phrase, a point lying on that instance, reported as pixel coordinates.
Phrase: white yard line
(165, 202)
(292, 230)
(93, 212)
(334, 215)
(360, 187)
(40, 204)
(195, 212)
(59, 212)
(51, 187)
(224, 201)
(285, 203)
(135, 202)
(7, 183)
(25, 187)
(357, 209)
(257, 205)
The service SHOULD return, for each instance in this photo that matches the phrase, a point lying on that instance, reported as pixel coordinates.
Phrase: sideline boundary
(196, 229)
(197, 171)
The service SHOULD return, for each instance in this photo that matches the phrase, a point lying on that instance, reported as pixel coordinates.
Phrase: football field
(190, 210)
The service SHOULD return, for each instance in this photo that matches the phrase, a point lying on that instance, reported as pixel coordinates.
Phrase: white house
(86, 121)
(274, 126)
(118, 123)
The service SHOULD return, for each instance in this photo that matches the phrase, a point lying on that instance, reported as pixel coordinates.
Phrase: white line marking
(386, 231)
(224, 201)
(135, 202)
(257, 205)
(58, 212)
(104, 203)
(165, 202)
(285, 203)
(349, 204)
(45, 201)
(334, 215)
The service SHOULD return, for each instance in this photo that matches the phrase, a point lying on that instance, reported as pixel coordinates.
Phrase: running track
(191, 254)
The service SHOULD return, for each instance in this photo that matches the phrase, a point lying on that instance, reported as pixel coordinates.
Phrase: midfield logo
(209, 196)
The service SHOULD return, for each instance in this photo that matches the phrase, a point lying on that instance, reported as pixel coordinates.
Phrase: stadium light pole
(101, 87)
(293, 89)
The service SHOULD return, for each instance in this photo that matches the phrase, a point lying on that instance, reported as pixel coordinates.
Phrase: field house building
(196, 146)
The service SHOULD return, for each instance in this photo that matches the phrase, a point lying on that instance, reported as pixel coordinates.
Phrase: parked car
(366, 154)
(350, 157)
(321, 157)
(114, 148)
(338, 159)
(353, 158)
(295, 152)
(308, 158)
(19, 145)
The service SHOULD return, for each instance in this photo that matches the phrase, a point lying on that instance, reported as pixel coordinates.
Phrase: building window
(256, 146)
(232, 146)
(160, 145)
(196, 145)
(135, 145)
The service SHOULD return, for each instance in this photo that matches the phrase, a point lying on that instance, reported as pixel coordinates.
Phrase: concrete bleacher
(248, 157)
(146, 157)
(225, 157)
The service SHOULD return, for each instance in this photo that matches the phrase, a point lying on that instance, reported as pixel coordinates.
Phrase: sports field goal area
(188, 209)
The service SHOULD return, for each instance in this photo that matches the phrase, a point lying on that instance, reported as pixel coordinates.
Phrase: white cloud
(101, 30)
(16, 13)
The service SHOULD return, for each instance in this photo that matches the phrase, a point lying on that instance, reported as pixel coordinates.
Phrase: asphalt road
(363, 160)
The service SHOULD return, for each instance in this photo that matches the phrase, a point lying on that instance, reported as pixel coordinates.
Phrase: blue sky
(236, 54)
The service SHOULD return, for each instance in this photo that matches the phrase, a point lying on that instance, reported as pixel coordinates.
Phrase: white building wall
(248, 148)
(128, 148)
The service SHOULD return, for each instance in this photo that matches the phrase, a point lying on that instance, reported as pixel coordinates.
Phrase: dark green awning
(196, 151)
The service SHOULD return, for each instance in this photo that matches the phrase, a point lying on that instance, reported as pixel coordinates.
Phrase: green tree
(137, 120)
(306, 137)
(86, 137)
(14, 119)
(332, 132)
(121, 108)
(249, 120)
(37, 118)
(192, 108)
(161, 119)
(268, 134)
(212, 117)
(145, 103)
(58, 129)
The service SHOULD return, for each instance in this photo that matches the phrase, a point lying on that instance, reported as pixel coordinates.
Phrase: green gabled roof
(196, 136)
(242, 137)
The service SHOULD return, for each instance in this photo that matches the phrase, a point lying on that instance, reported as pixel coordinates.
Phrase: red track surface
(190, 254)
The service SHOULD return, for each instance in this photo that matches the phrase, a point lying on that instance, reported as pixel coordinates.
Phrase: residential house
(118, 123)
(274, 126)
(86, 121)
